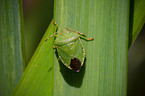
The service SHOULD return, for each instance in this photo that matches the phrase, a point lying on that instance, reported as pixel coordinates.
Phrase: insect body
(70, 49)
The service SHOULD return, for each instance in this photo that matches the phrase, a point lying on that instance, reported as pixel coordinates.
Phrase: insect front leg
(76, 31)
(54, 35)
(55, 30)
(55, 24)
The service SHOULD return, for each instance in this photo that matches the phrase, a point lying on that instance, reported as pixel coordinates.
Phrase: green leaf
(137, 19)
(11, 45)
(104, 72)
(38, 77)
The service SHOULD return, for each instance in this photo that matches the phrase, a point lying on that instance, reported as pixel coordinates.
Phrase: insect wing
(71, 53)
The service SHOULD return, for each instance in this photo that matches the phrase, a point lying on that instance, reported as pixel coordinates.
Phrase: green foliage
(137, 19)
(104, 72)
(38, 77)
(11, 45)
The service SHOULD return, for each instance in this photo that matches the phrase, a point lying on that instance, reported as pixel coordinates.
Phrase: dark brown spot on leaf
(75, 64)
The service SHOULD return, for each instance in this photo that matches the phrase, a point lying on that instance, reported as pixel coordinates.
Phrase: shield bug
(69, 47)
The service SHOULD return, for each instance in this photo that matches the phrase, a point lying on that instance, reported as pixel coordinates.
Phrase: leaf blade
(105, 70)
(38, 77)
(137, 19)
(12, 60)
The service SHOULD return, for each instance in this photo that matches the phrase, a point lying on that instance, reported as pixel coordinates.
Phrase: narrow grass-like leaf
(137, 19)
(11, 45)
(37, 79)
(105, 70)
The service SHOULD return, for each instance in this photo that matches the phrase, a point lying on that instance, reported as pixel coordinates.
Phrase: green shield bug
(69, 47)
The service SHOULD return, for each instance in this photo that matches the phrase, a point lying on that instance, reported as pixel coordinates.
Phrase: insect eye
(75, 64)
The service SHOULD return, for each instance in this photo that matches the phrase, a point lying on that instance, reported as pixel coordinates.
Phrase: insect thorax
(67, 38)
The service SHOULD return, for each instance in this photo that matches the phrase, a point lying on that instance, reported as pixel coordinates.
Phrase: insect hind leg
(86, 38)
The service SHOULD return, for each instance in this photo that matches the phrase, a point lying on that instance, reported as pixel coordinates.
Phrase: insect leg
(86, 38)
(52, 35)
(54, 47)
(55, 24)
(59, 59)
(76, 31)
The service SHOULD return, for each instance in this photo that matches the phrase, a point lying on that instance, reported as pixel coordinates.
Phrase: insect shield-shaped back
(70, 50)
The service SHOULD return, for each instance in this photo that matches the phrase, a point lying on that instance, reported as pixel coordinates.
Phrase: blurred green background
(37, 17)
(136, 66)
